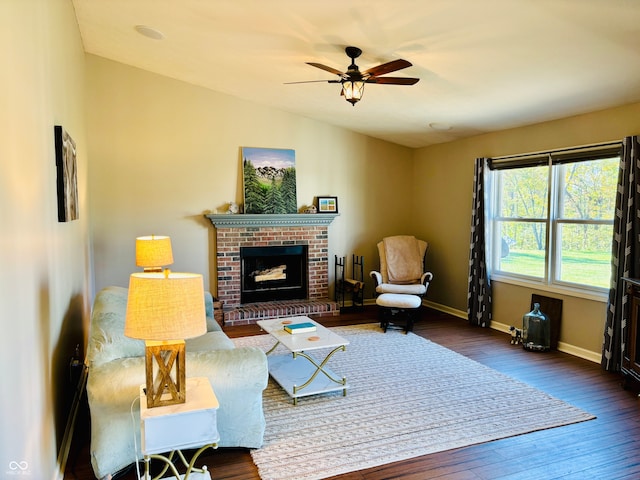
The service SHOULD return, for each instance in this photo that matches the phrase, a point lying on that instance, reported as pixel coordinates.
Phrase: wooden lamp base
(165, 372)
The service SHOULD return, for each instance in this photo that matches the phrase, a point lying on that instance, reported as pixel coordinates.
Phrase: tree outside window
(553, 222)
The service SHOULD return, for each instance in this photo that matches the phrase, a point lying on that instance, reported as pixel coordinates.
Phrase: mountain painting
(269, 180)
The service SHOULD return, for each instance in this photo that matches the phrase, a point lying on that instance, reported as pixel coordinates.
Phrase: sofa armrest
(237, 369)
(238, 377)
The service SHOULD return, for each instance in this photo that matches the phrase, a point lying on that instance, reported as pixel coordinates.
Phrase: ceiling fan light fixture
(353, 91)
(352, 81)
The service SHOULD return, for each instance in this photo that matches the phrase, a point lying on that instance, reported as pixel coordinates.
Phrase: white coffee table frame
(300, 374)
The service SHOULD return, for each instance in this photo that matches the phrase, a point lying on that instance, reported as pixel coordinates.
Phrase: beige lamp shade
(153, 251)
(165, 306)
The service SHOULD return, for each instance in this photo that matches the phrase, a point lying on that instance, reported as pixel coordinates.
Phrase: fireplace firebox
(271, 273)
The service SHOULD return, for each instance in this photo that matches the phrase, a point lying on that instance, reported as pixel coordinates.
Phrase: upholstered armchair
(402, 266)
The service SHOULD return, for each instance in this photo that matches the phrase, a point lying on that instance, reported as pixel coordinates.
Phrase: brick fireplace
(248, 230)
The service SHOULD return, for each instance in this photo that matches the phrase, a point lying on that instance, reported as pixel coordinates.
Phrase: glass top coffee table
(299, 373)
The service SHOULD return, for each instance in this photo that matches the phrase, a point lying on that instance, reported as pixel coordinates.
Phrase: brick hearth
(235, 231)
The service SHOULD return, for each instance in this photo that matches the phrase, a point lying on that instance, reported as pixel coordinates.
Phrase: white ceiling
(483, 65)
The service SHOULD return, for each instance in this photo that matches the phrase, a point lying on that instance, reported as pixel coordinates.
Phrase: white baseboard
(594, 357)
(501, 327)
(445, 309)
(562, 346)
(65, 447)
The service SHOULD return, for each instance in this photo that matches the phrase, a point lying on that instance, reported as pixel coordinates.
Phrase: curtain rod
(559, 150)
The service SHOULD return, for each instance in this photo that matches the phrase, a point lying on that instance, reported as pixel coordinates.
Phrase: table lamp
(163, 309)
(153, 252)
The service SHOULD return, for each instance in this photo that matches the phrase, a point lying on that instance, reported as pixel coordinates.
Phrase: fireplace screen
(273, 273)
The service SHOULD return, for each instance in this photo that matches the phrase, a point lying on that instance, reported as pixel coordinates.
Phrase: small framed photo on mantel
(327, 204)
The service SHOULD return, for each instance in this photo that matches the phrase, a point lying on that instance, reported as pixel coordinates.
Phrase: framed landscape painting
(269, 180)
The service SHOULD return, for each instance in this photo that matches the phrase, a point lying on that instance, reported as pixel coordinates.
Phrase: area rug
(407, 397)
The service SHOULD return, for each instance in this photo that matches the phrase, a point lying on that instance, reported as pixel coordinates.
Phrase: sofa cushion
(107, 340)
(209, 341)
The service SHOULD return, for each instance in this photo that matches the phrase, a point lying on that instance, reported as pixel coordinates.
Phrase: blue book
(304, 327)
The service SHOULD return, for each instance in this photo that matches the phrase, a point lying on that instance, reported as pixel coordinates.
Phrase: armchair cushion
(413, 289)
(403, 259)
(415, 252)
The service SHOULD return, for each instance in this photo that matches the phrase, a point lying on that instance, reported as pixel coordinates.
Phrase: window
(551, 217)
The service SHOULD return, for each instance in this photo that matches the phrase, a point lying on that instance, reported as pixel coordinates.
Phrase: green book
(304, 327)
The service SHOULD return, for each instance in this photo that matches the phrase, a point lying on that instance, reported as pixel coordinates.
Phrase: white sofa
(117, 369)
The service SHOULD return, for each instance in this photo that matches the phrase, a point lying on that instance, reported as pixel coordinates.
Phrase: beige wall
(443, 181)
(44, 274)
(164, 152)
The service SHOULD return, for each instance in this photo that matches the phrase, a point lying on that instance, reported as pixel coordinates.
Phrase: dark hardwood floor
(605, 448)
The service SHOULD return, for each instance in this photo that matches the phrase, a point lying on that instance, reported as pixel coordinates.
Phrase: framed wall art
(67, 175)
(327, 204)
(269, 180)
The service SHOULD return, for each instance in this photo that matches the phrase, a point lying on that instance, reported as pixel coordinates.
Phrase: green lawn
(590, 268)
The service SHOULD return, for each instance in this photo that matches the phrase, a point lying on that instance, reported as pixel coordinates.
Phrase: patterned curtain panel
(626, 252)
(479, 296)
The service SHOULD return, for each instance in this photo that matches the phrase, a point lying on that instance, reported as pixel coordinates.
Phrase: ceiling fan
(353, 80)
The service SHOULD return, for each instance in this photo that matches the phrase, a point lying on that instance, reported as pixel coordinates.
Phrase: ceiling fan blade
(313, 81)
(388, 67)
(393, 80)
(327, 69)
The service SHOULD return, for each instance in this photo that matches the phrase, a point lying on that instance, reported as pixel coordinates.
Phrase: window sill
(557, 289)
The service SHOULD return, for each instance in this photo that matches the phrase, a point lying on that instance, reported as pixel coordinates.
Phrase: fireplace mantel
(266, 220)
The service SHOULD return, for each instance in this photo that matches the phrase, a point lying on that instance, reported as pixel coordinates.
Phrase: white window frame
(552, 222)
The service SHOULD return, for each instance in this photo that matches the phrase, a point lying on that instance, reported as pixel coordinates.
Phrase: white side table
(173, 428)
